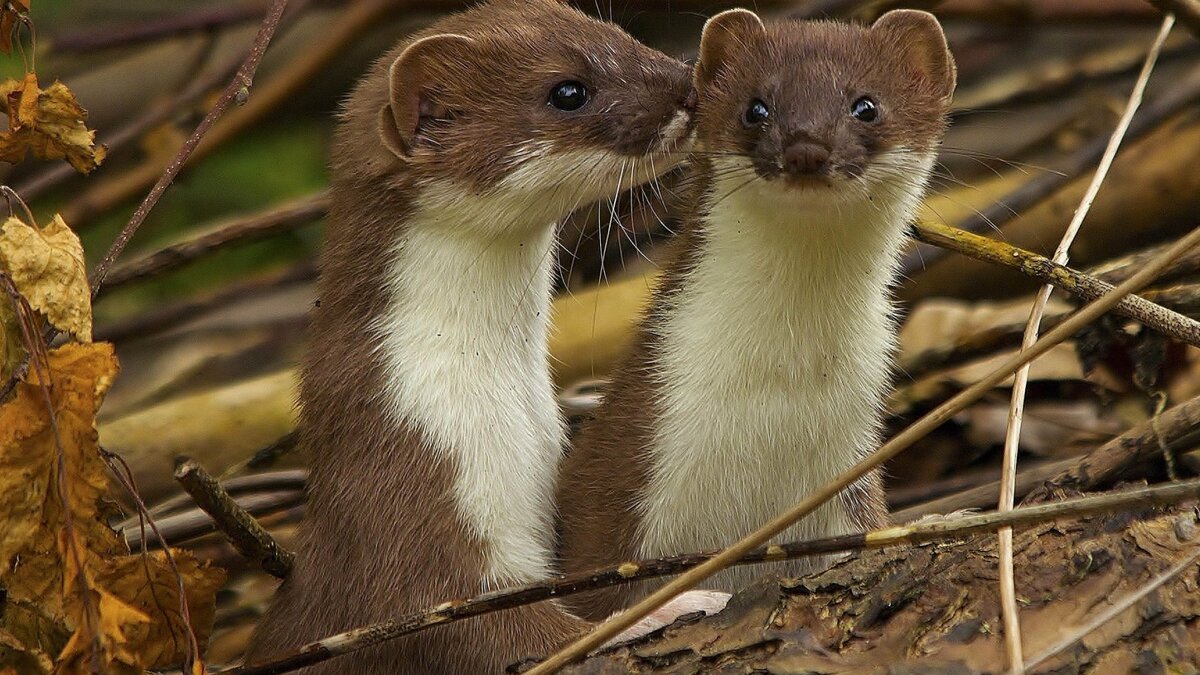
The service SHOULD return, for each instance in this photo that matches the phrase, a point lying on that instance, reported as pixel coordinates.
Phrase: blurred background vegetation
(207, 307)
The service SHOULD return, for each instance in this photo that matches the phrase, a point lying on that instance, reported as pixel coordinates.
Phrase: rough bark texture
(933, 608)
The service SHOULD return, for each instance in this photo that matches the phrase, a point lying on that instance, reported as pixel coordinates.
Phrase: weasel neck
(773, 356)
(462, 345)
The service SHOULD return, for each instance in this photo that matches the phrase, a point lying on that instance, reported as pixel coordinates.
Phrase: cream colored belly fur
(773, 362)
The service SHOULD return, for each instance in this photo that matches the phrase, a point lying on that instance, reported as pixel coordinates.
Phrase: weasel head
(535, 104)
(820, 113)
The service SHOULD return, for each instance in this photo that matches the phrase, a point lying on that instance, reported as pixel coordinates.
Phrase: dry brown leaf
(79, 376)
(12, 347)
(49, 122)
(47, 266)
(74, 591)
(10, 16)
(148, 585)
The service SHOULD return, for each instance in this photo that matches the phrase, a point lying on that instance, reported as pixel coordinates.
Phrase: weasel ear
(724, 34)
(413, 81)
(918, 39)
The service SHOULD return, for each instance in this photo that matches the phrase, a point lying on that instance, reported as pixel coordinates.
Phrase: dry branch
(1177, 428)
(238, 231)
(247, 536)
(1079, 284)
(630, 572)
(238, 89)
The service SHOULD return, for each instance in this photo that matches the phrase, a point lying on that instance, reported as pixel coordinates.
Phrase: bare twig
(167, 316)
(1012, 436)
(238, 89)
(1102, 617)
(1080, 284)
(247, 536)
(1177, 427)
(1187, 11)
(239, 230)
(630, 572)
(613, 626)
(350, 23)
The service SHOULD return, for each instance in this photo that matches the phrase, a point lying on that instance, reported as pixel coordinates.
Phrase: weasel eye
(569, 95)
(864, 109)
(756, 114)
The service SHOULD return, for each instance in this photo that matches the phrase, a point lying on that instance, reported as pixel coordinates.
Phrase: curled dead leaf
(49, 122)
(46, 265)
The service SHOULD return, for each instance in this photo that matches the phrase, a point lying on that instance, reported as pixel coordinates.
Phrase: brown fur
(808, 65)
(381, 536)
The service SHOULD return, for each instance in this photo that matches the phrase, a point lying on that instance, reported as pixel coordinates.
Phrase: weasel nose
(805, 157)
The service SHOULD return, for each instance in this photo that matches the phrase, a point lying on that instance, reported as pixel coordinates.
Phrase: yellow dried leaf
(10, 15)
(148, 585)
(77, 592)
(47, 266)
(18, 657)
(79, 376)
(48, 122)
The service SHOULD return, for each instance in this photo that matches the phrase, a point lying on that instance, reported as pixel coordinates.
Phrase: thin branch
(1177, 427)
(1085, 286)
(275, 91)
(918, 430)
(915, 533)
(242, 230)
(1103, 617)
(237, 90)
(169, 315)
(1012, 437)
(1187, 11)
(247, 536)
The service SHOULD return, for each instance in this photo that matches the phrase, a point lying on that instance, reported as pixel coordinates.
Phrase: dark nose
(805, 157)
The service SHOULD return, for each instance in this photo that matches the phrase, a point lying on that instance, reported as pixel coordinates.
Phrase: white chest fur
(773, 363)
(464, 348)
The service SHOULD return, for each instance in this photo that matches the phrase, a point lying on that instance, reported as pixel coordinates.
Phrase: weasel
(426, 402)
(758, 373)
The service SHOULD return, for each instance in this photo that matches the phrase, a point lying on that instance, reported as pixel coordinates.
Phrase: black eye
(569, 95)
(756, 114)
(864, 109)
